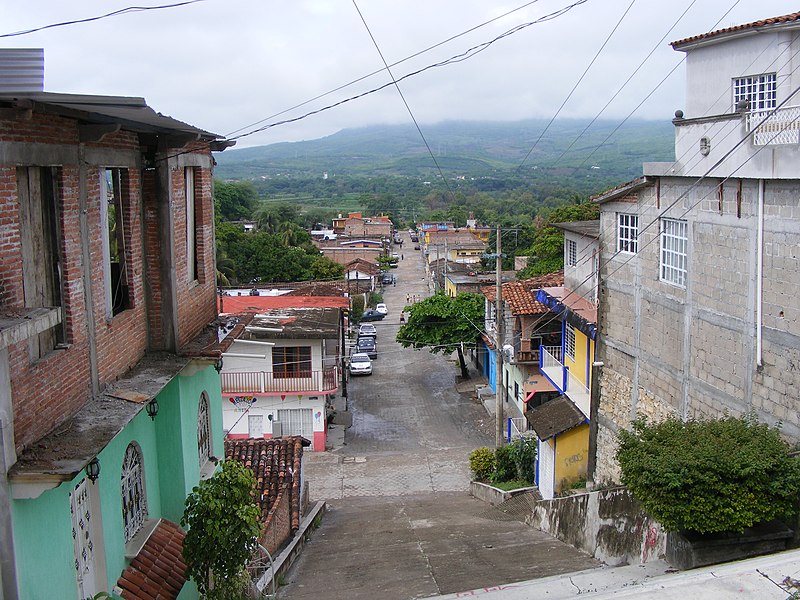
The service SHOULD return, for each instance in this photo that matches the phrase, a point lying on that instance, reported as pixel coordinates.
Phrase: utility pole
(498, 344)
(444, 281)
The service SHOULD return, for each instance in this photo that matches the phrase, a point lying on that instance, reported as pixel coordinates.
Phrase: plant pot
(689, 549)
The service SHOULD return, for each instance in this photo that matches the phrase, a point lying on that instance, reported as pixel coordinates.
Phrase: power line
(116, 13)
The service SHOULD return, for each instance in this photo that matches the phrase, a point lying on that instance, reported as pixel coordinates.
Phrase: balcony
(264, 382)
(554, 369)
(774, 128)
(525, 351)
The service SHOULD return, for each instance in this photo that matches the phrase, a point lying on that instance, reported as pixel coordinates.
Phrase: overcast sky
(224, 65)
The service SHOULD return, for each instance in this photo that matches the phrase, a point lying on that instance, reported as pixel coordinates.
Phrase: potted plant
(723, 488)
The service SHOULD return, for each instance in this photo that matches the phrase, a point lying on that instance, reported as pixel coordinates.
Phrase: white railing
(516, 428)
(551, 365)
(266, 381)
(773, 128)
(578, 393)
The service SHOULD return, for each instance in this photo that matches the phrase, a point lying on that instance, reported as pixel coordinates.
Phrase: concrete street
(400, 521)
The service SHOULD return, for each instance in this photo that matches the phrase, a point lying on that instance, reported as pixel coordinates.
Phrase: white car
(360, 364)
(367, 330)
(381, 308)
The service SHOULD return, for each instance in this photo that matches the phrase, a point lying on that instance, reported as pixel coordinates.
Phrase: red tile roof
(276, 464)
(737, 28)
(520, 296)
(158, 572)
(245, 304)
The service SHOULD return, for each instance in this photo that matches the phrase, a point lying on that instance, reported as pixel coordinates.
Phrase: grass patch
(514, 484)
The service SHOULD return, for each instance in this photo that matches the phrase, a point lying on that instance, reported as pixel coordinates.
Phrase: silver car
(360, 364)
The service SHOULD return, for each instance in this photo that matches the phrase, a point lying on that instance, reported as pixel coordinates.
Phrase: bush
(709, 476)
(523, 453)
(505, 469)
(482, 463)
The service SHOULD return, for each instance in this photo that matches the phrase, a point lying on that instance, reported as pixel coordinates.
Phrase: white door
(83, 540)
(547, 461)
(255, 426)
(299, 421)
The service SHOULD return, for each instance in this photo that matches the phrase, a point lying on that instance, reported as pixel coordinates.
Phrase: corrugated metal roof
(21, 70)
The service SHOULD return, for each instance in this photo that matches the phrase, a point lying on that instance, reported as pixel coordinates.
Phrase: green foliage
(442, 323)
(482, 463)
(222, 522)
(504, 469)
(522, 452)
(709, 475)
(234, 201)
(375, 298)
(356, 308)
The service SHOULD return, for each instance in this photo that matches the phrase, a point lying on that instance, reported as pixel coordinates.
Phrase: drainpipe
(759, 273)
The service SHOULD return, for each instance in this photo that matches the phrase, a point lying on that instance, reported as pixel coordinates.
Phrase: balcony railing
(565, 381)
(774, 128)
(525, 351)
(268, 381)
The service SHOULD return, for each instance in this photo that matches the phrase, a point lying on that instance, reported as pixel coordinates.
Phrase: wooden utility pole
(498, 344)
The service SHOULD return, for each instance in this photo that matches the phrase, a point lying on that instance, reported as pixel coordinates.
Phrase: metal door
(82, 521)
(547, 460)
(255, 426)
(298, 421)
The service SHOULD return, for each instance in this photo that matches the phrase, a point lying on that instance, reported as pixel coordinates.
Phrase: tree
(234, 201)
(222, 521)
(442, 323)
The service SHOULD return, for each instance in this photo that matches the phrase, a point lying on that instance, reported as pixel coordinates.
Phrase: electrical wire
(122, 11)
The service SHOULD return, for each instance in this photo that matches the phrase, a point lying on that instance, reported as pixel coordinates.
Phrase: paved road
(401, 523)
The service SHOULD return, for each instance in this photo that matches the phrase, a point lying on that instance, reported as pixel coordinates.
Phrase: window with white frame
(627, 233)
(759, 90)
(569, 341)
(572, 253)
(674, 242)
(204, 449)
(134, 500)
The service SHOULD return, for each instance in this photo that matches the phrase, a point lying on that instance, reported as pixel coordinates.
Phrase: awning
(554, 418)
(579, 312)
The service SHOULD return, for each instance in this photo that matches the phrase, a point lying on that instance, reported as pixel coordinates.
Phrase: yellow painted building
(572, 457)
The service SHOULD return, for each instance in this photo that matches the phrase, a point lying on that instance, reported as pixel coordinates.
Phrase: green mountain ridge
(461, 148)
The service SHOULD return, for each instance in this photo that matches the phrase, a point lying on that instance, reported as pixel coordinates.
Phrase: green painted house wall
(43, 525)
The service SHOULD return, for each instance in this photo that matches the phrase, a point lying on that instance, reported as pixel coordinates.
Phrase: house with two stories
(698, 303)
(562, 424)
(107, 277)
(281, 366)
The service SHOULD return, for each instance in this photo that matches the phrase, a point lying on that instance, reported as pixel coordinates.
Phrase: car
(360, 364)
(387, 278)
(416, 247)
(367, 330)
(381, 308)
(368, 346)
(371, 315)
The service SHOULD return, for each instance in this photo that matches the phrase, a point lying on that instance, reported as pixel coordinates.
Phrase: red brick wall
(278, 527)
(48, 391)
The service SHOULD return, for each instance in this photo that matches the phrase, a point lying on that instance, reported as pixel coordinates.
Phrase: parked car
(372, 315)
(381, 308)
(387, 278)
(416, 247)
(360, 364)
(368, 346)
(367, 330)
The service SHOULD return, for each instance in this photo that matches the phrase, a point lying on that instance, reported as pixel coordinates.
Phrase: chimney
(21, 70)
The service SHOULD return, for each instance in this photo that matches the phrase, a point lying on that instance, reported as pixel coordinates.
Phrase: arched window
(134, 500)
(204, 449)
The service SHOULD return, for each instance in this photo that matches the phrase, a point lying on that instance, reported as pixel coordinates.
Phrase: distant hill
(461, 148)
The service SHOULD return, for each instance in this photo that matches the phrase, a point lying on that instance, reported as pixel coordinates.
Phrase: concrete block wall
(692, 351)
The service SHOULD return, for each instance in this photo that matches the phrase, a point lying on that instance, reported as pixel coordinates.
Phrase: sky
(234, 66)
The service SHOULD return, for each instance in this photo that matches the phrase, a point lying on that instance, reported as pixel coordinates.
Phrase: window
(41, 241)
(204, 449)
(572, 253)
(673, 251)
(134, 501)
(191, 224)
(569, 341)
(291, 361)
(627, 233)
(115, 211)
(759, 90)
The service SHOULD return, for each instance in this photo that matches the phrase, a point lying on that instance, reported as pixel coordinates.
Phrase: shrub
(482, 463)
(523, 453)
(709, 475)
(504, 469)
